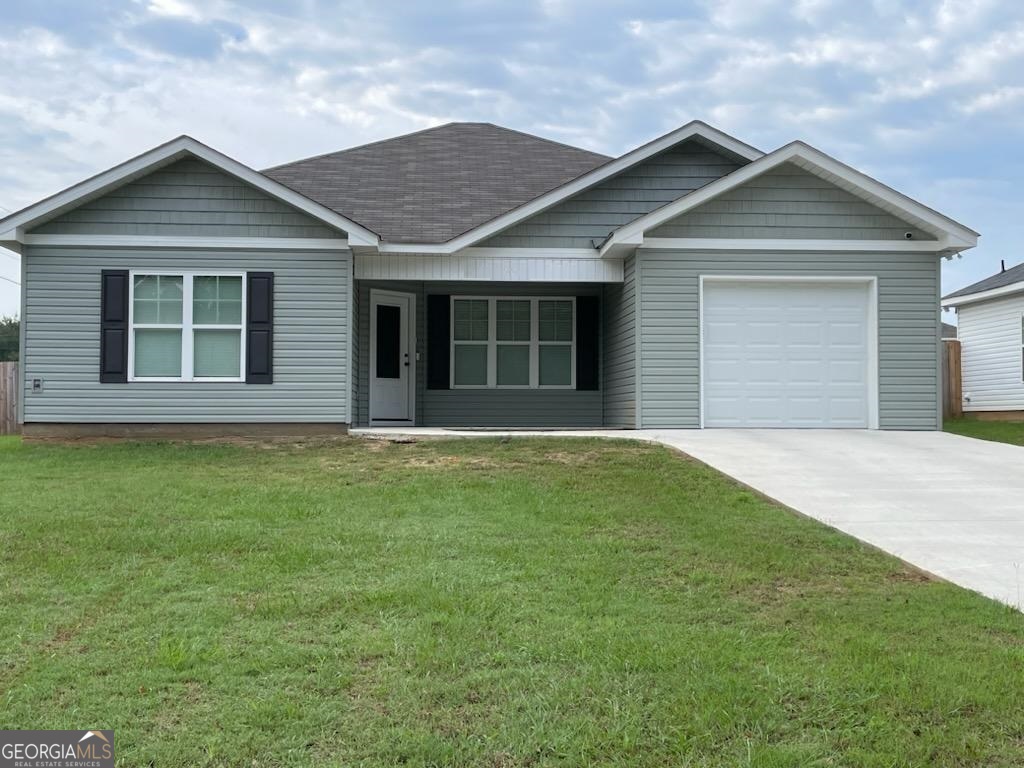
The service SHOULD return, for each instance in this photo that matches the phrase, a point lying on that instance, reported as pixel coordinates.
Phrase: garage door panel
(780, 354)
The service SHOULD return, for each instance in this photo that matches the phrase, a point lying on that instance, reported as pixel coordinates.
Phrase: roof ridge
(360, 146)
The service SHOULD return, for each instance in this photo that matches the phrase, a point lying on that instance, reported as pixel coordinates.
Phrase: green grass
(475, 603)
(1000, 431)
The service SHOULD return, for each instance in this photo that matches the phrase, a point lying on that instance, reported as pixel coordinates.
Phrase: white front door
(392, 363)
(786, 354)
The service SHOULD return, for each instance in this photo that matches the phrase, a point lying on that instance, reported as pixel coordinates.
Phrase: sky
(927, 97)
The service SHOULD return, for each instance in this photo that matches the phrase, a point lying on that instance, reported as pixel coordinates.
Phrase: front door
(392, 367)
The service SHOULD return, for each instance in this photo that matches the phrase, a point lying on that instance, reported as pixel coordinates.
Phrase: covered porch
(492, 354)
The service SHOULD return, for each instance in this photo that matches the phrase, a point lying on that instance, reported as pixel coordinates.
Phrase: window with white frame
(187, 326)
(513, 342)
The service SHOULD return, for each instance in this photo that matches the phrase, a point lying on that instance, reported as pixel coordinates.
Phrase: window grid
(186, 327)
(493, 342)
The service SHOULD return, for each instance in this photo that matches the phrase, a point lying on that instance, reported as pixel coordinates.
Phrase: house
(948, 331)
(471, 275)
(990, 320)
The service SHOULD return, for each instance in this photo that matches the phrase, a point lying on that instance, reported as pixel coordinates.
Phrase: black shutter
(259, 328)
(439, 343)
(113, 326)
(588, 338)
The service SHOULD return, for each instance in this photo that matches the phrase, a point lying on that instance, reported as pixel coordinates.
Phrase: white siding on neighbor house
(992, 354)
(908, 326)
(62, 340)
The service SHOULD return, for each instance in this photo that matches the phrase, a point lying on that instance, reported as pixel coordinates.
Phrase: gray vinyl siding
(619, 349)
(788, 202)
(311, 340)
(475, 407)
(187, 198)
(593, 214)
(908, 333)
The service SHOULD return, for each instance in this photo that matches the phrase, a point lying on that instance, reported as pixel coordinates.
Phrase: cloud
(187, 39)
(915, 92)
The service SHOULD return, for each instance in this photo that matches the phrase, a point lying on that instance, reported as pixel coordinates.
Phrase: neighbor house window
(513, 342)
(187, 327)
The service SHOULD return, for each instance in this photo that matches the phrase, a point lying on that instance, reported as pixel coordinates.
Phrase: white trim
(781, 244)
(205, 243)
(22, 335)
(953, 235)
(692, 130)
(992, 293)
(375, 295)
(352, 355)
(638, 339)
(872, 327)
(492, 342)
(166, 154)
(186, 326)
(540, 265)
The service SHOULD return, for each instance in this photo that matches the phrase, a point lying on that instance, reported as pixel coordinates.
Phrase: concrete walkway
(951, 505)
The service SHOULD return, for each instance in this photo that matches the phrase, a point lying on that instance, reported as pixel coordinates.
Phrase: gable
(592, 214)
(191, 198)
(788, 202)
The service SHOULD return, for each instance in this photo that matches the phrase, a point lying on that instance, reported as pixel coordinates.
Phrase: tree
(9, 334)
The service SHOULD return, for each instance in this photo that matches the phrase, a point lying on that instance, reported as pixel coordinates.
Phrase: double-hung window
(513, 342)
(187, 326)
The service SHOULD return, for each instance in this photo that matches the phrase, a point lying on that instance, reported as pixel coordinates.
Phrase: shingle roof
(431, 186)
(998, 280)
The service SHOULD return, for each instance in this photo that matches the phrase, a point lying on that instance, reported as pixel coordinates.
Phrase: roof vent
(1002, 264)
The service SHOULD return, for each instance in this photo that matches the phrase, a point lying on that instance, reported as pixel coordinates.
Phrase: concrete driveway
(951, 505)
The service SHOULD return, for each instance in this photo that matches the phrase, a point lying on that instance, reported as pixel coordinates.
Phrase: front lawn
(999, 431)
(534, 602)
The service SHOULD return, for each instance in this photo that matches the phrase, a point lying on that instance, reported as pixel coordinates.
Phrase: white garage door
(785, 354)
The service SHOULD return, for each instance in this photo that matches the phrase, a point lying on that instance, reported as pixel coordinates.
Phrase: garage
(788, 353)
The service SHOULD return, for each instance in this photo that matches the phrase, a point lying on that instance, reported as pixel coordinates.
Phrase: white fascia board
(544, 266)
(692, 130)
(530, 253)
(163, 155)
(992, 293)
(206, 243)
(954, 235)
(781, 244)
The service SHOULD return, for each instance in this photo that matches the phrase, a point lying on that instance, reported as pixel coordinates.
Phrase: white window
(186, 326)
(513, 342)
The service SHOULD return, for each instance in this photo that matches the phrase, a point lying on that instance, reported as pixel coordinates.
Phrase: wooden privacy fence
(9, 399)
(952, 387)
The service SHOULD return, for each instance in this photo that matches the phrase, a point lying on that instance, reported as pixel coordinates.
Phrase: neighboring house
(948, 331)
(470, 275)
(990, 322)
